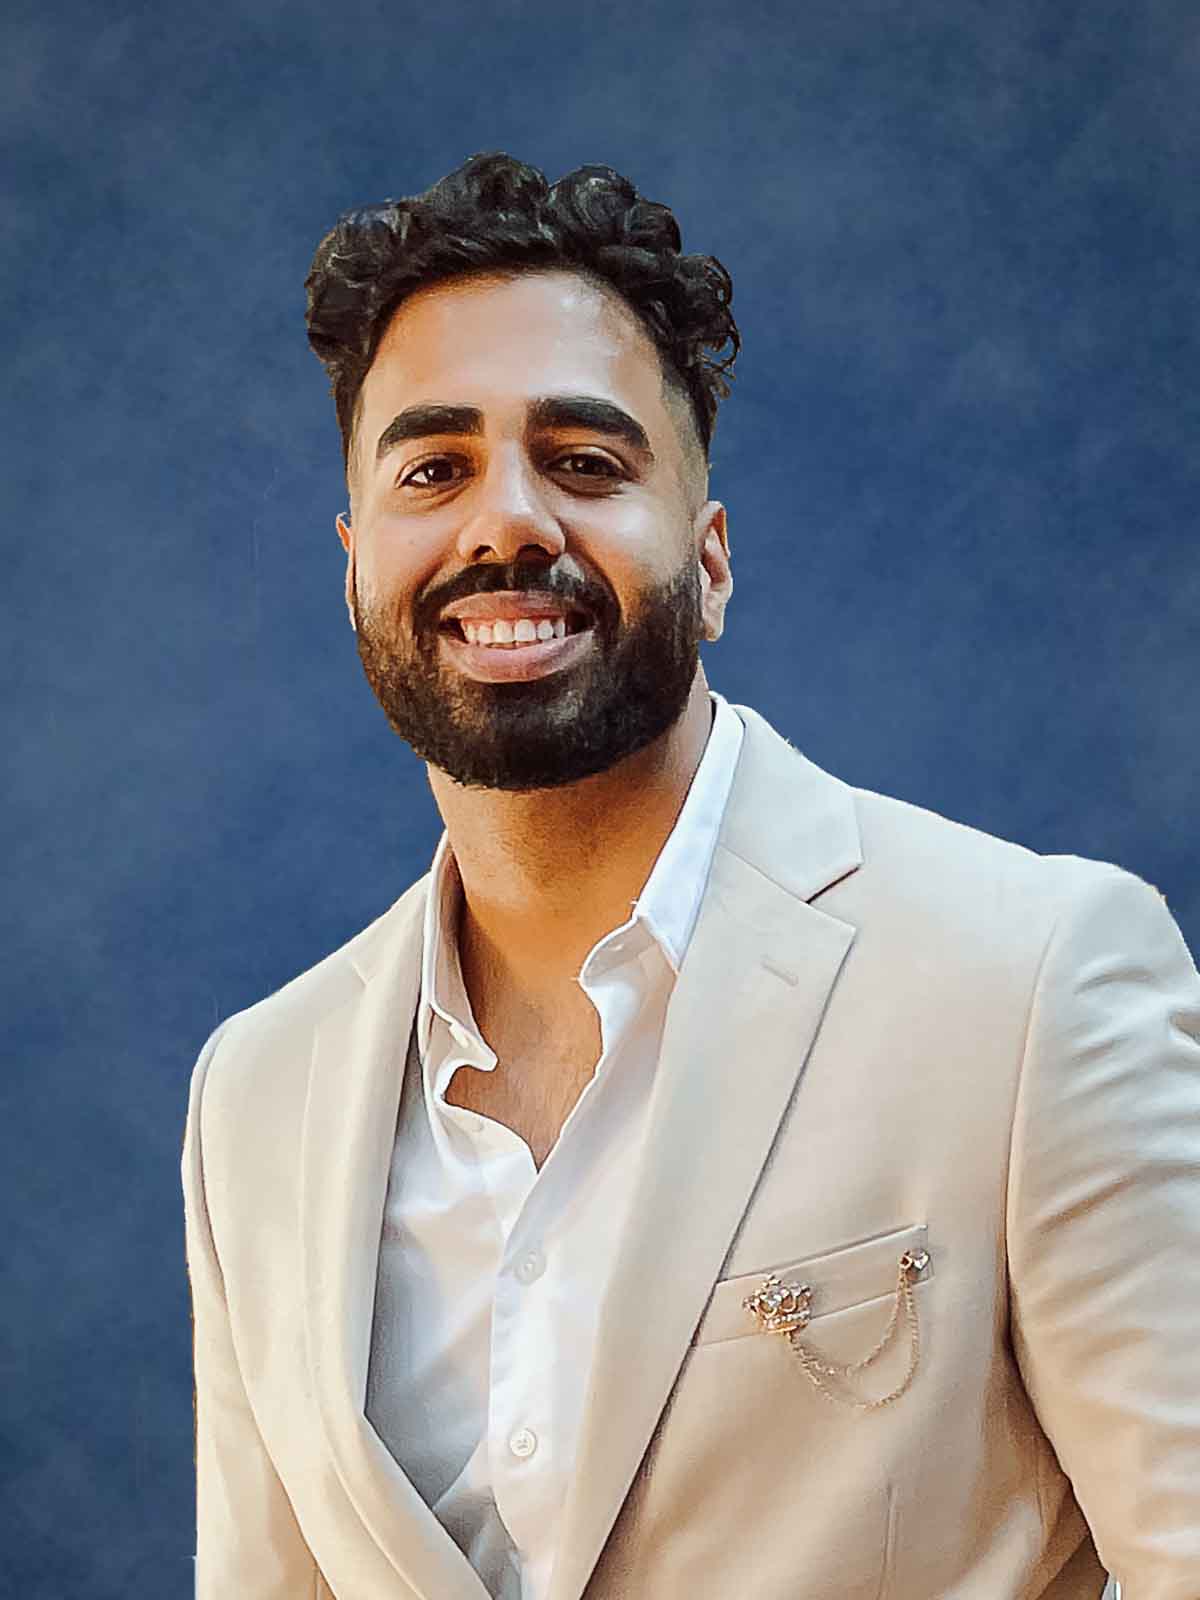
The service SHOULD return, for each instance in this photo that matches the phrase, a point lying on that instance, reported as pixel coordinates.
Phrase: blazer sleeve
(248, 1543)
(1104, 1226)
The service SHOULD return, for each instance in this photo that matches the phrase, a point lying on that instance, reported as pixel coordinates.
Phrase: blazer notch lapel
(747, 1006)
(358, 1060)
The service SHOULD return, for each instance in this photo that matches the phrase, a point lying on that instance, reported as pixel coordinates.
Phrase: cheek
(634, 546)
(390, 569)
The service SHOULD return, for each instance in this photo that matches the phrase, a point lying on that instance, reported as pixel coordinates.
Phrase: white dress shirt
(491, 1272)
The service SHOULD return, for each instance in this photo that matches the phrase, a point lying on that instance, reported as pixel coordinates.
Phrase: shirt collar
(670, 899)
(442, 988)
(667, 906)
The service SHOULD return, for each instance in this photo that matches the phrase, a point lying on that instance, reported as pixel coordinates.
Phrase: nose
(509, 514)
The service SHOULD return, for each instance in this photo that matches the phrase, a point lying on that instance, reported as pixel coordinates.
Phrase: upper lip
(510, 604)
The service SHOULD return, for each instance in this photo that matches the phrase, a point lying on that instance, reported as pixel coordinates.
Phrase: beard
(631, 687)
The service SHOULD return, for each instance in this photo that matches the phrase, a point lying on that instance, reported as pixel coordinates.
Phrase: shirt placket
(539, 1313)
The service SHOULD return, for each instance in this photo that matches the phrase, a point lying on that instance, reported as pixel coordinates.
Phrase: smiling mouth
(577, 622)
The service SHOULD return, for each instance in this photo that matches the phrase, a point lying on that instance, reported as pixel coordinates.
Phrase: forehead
(493, 342)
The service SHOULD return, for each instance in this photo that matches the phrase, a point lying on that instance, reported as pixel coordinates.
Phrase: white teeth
(524, 631)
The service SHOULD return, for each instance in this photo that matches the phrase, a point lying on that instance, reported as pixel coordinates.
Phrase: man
(709, 1180)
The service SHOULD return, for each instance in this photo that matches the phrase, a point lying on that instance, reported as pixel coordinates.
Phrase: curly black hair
(494, 213)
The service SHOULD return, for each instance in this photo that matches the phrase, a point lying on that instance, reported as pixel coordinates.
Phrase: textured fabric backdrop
(960, 463)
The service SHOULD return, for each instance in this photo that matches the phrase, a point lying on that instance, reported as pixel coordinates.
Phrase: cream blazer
(890, 1033)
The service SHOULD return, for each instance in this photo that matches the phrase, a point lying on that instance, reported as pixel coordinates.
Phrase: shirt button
(531, 1266)
(523, 1443)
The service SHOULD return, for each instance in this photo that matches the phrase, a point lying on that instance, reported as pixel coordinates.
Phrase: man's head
(558, 331)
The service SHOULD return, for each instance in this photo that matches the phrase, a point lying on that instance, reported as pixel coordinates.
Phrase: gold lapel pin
(779, 1306)
(786, 1308)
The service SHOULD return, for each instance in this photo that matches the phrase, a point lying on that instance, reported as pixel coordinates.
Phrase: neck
(547, 873)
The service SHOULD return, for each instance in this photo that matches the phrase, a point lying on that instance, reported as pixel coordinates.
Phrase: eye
(608, 470)
(427, 466)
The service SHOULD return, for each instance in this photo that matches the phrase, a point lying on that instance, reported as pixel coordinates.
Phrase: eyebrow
(544, 414)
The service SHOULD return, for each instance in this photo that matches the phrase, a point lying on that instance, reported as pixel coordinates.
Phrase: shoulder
(884, 863)
(969, 892)
(901, 837)
(263, 1051)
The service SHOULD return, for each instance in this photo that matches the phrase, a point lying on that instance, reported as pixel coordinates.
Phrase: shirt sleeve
(1104, 1226)
(248, 1543)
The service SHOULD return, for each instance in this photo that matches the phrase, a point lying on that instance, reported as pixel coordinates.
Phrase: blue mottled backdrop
(960, 461)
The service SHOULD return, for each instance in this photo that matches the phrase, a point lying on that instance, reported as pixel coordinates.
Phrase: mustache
(519, 578)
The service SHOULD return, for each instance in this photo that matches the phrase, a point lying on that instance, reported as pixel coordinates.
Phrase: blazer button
(523, 1443)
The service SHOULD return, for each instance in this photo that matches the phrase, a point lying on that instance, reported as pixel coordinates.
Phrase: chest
(537, 1079)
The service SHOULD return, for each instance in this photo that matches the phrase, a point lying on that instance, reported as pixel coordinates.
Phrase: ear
(346, 535)
(716, 574)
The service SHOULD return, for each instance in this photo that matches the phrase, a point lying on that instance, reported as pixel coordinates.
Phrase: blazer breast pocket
(842, 1311)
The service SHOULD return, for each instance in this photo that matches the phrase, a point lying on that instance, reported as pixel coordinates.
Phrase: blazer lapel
(349, 1129)
(747, 1004)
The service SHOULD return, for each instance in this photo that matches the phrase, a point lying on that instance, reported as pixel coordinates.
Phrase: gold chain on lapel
(787, 1308)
